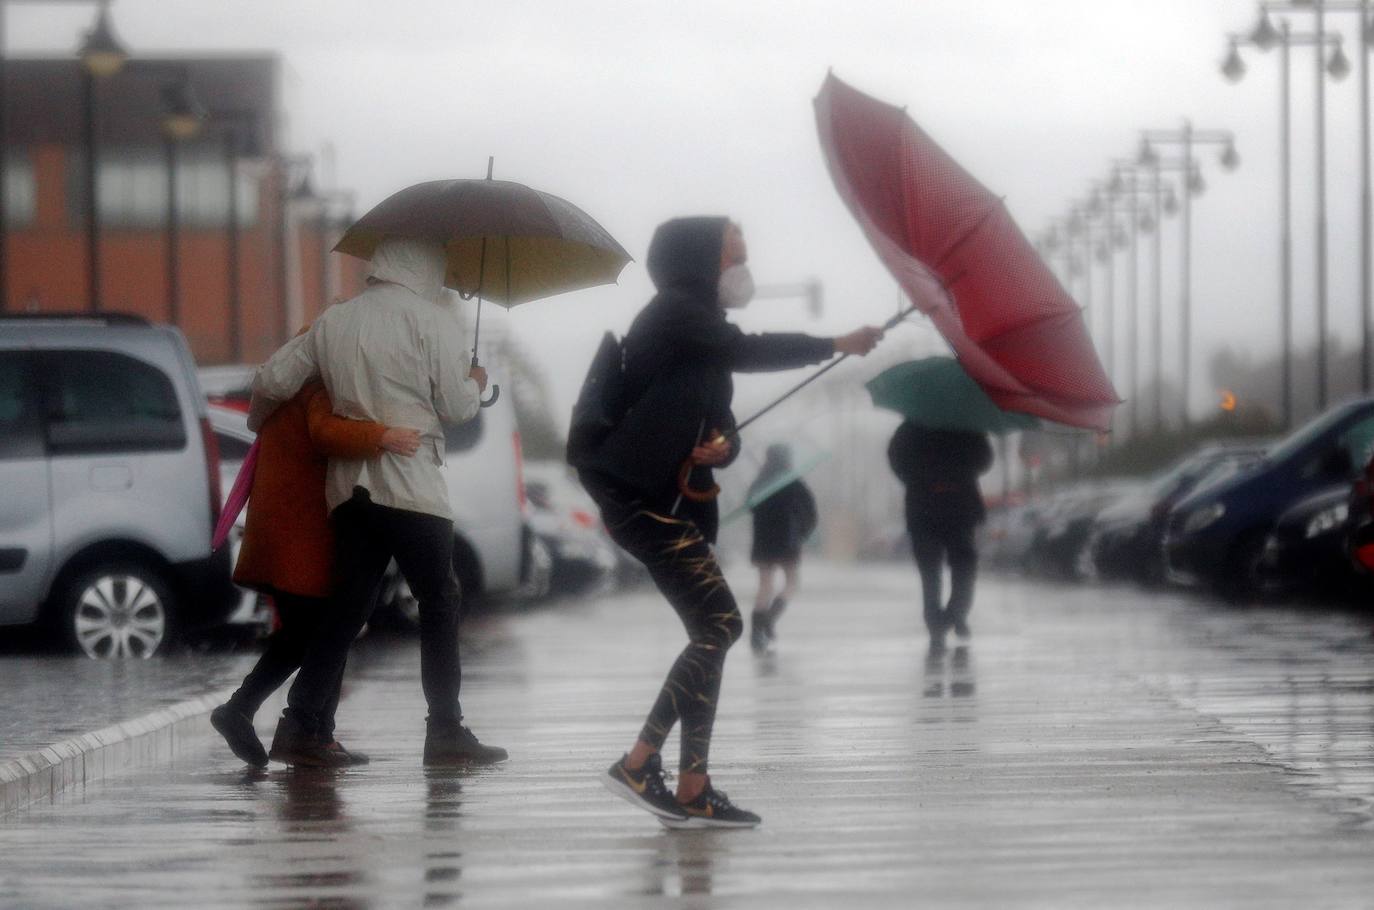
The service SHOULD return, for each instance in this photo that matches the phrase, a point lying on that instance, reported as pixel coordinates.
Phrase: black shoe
(961, 629)
(713, 809)
(292, 744)
(455, 744)
(237, 730)
(644, 787)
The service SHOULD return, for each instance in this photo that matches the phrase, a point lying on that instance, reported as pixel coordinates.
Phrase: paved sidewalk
(1091, 748)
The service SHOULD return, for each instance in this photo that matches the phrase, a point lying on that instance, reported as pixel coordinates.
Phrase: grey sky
(638, 110)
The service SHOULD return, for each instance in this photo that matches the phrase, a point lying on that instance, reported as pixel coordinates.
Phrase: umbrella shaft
(813, 377)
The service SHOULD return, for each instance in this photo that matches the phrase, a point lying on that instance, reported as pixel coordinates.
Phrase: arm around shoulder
(340, 437)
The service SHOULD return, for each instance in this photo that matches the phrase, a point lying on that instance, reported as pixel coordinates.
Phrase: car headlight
(1203, 517)
(1328, 519)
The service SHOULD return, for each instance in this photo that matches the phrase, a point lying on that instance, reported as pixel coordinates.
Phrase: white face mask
(736, 287)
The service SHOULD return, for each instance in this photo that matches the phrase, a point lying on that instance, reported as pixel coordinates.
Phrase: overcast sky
(639, 110)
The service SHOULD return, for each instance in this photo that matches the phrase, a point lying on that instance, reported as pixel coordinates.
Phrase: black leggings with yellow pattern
(683, 566)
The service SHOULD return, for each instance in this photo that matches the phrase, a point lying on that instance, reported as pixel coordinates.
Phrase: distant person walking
(784, 518)
(288, 551)
(674, 372)
(943, 508)
(395, 354)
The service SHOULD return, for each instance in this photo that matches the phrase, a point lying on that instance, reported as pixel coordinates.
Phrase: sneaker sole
(697, 823)
(627, 793)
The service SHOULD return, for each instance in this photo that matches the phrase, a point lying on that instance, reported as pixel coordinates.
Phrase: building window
(21, 195)
(132, 185)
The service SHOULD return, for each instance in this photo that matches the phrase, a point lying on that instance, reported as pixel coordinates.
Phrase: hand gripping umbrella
(962, 261)
(505, 242)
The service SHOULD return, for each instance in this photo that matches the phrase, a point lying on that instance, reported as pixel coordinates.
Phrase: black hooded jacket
(679, 354)
(940, 469)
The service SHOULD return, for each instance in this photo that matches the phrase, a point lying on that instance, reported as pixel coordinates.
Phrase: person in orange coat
(288, 547)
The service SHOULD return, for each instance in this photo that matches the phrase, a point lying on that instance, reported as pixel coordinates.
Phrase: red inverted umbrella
(956, 252)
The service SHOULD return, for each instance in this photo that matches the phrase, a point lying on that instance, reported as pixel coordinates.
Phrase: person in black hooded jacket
(678, 358)
(943, 509)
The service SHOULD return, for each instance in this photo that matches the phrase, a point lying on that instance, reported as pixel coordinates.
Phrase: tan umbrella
(506, 242)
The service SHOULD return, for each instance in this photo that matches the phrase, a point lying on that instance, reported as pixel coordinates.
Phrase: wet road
(1090, 748)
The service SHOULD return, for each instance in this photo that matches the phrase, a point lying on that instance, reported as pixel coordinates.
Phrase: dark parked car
(1217, 535)
(1128, 536)
(1059, 545)
(1307, 550)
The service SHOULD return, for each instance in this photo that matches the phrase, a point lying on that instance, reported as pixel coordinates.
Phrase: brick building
(169, 265)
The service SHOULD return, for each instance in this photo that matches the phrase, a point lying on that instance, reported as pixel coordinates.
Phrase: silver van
(109, 484)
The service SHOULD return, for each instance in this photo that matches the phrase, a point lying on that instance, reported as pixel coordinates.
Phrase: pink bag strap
(238, 497)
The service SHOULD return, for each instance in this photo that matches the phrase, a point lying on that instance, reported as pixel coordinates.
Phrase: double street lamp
(1334, 65)
(102, 56)
(1186, 138)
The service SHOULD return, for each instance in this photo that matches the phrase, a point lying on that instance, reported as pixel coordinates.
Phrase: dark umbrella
(505, 242)
(961, 259)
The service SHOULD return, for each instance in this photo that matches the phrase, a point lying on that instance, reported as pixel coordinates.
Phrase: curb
(143, 741)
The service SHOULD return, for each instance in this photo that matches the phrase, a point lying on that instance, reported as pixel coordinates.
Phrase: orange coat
(287, 542)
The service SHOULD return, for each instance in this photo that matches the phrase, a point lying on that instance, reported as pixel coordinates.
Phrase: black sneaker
(961, 629)
(775, 611)
(455, 744)
(713, 809)
(237, 730)
(644, 788)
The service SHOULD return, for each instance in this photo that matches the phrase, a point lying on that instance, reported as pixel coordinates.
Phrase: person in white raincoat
(395, 354)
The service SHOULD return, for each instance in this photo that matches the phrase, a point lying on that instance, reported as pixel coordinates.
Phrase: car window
(464, 436)
(20, 428)
(1358, 441)
(102, 401)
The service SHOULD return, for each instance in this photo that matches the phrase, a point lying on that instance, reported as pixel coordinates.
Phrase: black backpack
(601, 404)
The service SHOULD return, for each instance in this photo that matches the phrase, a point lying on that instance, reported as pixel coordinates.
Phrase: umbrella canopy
(936, 392)
(961, 259)
(506, 242)
(799, 469)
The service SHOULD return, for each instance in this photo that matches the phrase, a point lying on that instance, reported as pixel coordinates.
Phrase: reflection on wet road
(1087, 748)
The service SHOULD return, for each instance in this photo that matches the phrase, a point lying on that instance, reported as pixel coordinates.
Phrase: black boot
(237, 730)
(451, 743)
(292, 744)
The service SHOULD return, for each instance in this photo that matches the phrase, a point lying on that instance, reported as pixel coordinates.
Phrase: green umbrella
(796, 472)
(936, 392)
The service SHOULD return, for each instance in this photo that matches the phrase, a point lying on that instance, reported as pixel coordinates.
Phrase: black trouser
(933, 541)
(366, 538)
(683, 566)
(301, 619)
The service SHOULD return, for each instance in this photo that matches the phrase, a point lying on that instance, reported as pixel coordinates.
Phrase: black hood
(685, 254)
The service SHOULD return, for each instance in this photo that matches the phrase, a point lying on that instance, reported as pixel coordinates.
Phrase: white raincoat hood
(418, 265)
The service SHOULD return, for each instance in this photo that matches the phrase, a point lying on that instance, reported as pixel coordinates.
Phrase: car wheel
(1242, 581)
(117, 610)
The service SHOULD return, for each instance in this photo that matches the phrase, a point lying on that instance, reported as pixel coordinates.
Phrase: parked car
(1307, 551)
(565, 519)
(1060, 540)
(1127, 540)
(1216, 536)
(111, 483)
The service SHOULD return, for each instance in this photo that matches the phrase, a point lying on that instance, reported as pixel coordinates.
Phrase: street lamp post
(1161, 195)
(182, 121)
(1265, 36)
(101, 55)
(1186, 138)
(240, 138)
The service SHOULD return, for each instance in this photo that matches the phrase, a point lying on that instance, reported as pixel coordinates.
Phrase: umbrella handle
(495, 394)
(684, 484)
